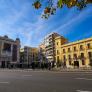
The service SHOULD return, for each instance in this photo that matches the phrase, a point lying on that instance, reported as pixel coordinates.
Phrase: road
(44, 81)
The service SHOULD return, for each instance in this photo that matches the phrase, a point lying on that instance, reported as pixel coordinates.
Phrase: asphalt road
(44, 81)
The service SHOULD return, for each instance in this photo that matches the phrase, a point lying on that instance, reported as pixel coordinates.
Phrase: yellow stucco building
(59, 41)
(75, 54)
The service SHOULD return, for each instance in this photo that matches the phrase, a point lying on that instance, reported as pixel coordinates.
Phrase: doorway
(76, 63)
(3, 64)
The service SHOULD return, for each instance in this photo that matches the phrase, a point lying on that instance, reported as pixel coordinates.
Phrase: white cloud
(65, 28)
(26, 32)
(29, 31)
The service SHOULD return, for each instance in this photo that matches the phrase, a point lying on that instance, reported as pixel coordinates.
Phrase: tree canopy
(53, 5)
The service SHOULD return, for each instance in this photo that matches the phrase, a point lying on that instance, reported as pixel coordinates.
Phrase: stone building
(74, 54)
(9, 52)
(59, 41)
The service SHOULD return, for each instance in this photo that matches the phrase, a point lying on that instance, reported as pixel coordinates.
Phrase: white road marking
(82, 91)
(4, 82)
(27, 75)
(83, 79)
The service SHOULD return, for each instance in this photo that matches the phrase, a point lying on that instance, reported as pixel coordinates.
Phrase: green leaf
(60, 3)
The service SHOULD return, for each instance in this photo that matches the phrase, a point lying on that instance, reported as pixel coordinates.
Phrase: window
(83, 62)
(82, 55)
(7, 47)
(81, 47)
(69, 57)
(64, 58)
(57, 51)
(63, 50)
(74, 48)
(90, 54)
(57, 58)
(88, 45)
(75, 56)
(70, 63)
(68, 49)
(14, 53)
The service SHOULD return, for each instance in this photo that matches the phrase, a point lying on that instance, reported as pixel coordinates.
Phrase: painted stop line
(82, 91)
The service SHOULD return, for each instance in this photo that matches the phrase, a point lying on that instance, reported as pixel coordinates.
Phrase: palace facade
(74, 54)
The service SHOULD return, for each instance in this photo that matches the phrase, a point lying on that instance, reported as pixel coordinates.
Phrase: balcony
(90, 57)
(81, 57)
(5, 58)
(82, 49)
(50, 54)
(64, 51)
(49, 46)
(69, 51)
(65, 59)
(75, 50)
(88, 48)
(75, 58)
(6, 53)
(50, 57)
(49, 49)
(69, 59)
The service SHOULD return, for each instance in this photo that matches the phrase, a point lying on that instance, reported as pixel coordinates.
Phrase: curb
(53, 70)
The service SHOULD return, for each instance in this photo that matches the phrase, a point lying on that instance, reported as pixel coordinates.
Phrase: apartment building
(50, 47)
(9, 51)
(28, 55)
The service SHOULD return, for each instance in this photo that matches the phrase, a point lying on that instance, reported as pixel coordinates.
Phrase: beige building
(42, 53)
(9, 51)
(75, 54)
(42, 48)
(28, 55)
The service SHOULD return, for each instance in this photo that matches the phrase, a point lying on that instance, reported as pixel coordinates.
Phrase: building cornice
(77, 42)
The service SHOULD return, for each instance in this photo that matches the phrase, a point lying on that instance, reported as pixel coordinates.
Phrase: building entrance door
(3, 64)
(76, 63)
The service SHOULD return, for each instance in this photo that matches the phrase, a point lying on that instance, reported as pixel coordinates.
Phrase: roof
(6, 38)
(76, 42)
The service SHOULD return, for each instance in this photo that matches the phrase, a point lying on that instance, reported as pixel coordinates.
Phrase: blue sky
(19, 19)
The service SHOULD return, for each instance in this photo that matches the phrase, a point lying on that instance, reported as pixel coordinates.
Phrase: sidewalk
(54, 69)
(72, 70)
